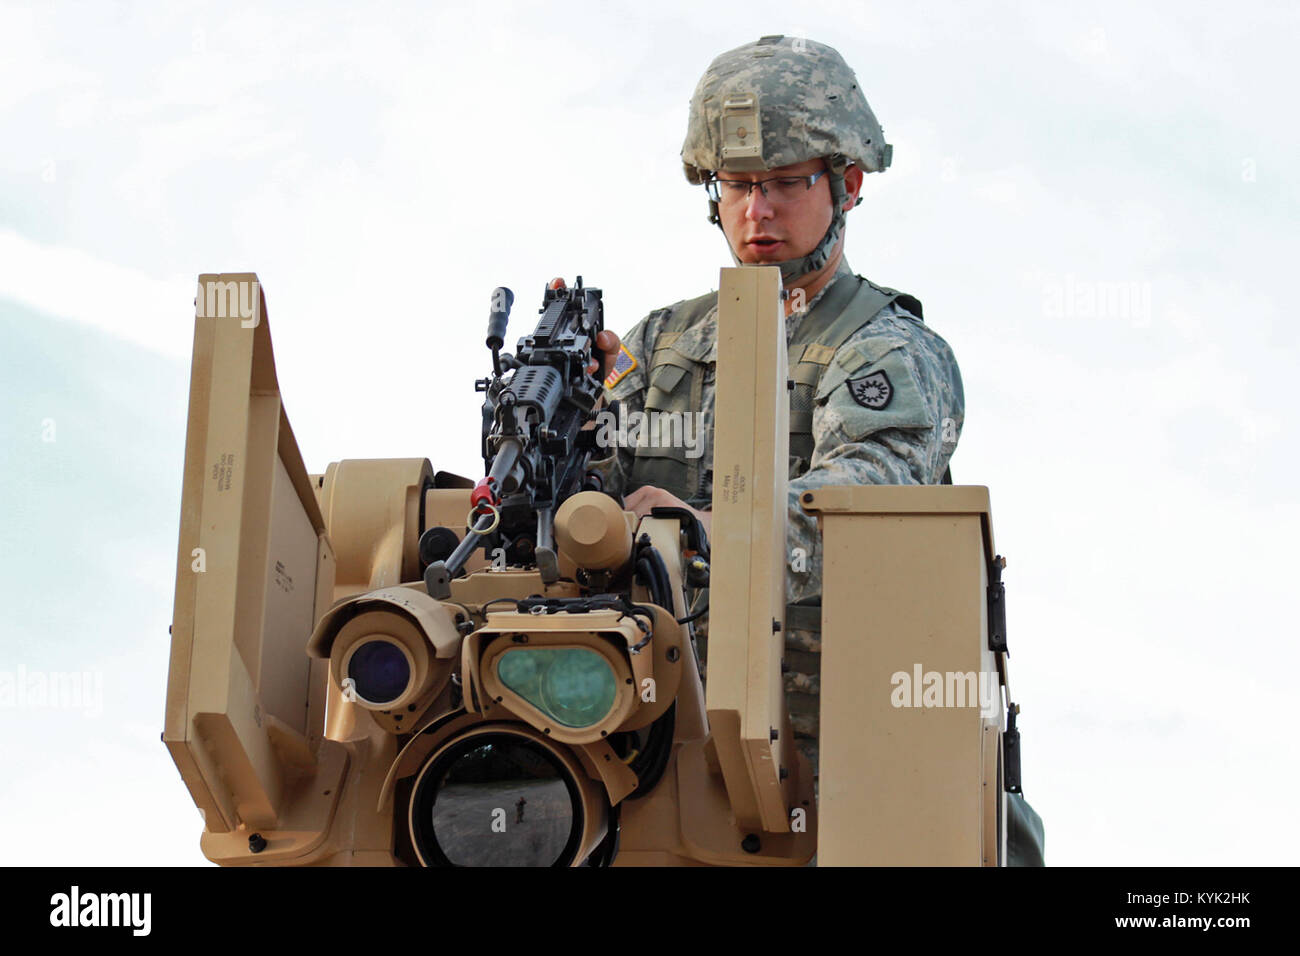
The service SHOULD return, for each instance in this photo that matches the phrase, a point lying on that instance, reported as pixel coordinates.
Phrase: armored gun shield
(912, 678)
(245, 712)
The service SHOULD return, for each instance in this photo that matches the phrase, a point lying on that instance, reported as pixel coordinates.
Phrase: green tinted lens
(571, 685)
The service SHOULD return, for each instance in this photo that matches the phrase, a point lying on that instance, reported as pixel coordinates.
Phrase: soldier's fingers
(638, 501)
(646, 498)
(608, 343)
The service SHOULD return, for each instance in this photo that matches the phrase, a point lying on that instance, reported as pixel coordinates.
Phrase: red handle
(483, 493)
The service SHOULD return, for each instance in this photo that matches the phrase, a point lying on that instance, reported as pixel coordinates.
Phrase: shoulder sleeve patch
(852, 361)
(623, 364)
(876, 395)
(873, 390)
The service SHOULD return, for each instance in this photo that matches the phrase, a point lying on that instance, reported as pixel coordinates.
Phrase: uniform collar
(700, 342)
(793, 320)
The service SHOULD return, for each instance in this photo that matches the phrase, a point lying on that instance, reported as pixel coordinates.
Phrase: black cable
(584, 605)
(665, 582)
(655, 576)
(648, 575)
(650, 764)
(691, 617)
(607, 849)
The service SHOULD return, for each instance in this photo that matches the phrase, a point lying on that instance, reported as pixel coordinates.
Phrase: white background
(383, 167)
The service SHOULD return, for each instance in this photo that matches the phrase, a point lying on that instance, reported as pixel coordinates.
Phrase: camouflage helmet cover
(777, 102)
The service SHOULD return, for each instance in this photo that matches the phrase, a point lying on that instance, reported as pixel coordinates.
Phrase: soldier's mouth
(764, 245)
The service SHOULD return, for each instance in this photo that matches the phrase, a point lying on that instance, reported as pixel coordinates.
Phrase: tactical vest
(677, 372)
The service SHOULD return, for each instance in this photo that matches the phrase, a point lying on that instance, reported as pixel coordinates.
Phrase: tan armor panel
(245, 705)
(745, 695)
(909, 768)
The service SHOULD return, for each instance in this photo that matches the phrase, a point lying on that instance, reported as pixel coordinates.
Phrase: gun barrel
(503, 465)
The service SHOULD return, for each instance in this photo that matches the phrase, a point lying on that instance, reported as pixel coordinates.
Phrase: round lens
(379, 671)
(572, 685)
(496, 800)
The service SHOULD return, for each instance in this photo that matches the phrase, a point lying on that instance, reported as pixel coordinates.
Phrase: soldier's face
(762, 231)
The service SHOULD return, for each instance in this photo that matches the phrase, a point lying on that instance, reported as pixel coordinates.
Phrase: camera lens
(380, 672)
(496, 800)
(574, 686)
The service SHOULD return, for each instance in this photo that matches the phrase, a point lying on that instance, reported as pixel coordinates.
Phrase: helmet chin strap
(792, 269)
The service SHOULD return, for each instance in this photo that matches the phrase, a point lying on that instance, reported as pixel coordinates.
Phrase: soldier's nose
(758, 207)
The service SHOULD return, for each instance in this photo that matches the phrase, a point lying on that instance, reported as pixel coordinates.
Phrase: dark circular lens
(379, 671)
(496, 800)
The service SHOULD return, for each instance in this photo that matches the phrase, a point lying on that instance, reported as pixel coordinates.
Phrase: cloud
(65, 282)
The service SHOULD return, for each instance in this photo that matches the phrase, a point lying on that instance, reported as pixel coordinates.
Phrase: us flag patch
(623, 364)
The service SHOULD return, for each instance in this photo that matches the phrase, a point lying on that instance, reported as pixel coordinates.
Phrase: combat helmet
(779, 101)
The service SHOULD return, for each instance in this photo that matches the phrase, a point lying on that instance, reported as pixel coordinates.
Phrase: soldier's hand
(608, 343)
(648, 497)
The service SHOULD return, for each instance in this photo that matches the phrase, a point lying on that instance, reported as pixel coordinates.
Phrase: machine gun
(535, 448)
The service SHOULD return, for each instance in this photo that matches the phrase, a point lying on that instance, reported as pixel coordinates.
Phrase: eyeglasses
(778, 189)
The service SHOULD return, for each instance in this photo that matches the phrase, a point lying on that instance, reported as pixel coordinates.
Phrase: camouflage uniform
(906, 439)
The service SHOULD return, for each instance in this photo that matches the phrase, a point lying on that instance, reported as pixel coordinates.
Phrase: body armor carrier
(678, 371)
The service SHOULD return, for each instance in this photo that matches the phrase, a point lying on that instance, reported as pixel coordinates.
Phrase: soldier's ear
(852, 186)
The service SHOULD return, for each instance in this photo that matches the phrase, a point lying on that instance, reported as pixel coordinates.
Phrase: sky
(1096, 204)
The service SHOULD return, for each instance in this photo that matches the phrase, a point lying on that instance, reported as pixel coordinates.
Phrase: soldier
(780, 135)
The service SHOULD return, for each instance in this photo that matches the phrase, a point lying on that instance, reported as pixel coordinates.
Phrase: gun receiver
(535, 449)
